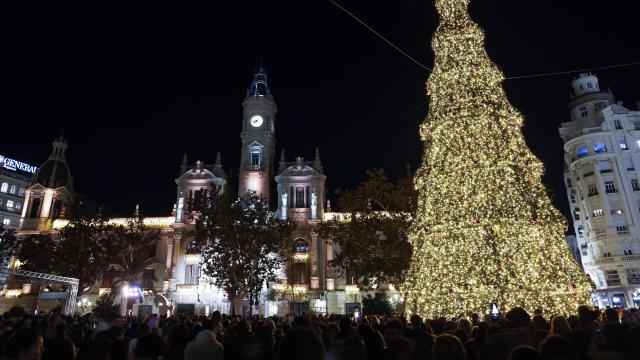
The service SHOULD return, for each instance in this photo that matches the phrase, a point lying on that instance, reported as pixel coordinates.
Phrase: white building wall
(602, 171)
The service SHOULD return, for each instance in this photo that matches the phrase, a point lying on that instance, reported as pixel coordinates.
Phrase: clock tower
(258, 137)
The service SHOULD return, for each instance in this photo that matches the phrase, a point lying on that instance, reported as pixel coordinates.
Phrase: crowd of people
(588, 335)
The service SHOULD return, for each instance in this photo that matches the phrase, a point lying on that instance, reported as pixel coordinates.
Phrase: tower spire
(259, 86)
(317, 164)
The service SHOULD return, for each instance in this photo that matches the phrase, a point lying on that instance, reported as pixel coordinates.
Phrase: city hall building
(176, 284)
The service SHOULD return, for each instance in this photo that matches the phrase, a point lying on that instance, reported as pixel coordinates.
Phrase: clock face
(256, 120)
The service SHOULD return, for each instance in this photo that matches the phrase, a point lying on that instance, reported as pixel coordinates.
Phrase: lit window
(623, 144)
(583, 150)
(10, 204)
(598, 212)
(255, 160)
(21, 192)
(12, 190)
(6, 222)
(18, 206)
(5, 186)
(599, 147)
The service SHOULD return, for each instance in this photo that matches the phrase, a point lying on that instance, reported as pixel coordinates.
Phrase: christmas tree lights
(485, 229)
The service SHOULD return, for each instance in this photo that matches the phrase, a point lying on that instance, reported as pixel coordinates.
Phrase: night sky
(133, 87)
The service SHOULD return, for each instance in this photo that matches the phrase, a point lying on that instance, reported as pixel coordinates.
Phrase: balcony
(631, 258)
(300, 257)
(605, 260)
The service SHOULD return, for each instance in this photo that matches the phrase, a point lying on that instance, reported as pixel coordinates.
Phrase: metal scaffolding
(72, 291)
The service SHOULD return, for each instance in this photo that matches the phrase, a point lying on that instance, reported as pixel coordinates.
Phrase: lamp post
(84, 305)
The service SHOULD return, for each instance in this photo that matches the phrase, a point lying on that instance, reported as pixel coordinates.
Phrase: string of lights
(528, 76)
(485, 231)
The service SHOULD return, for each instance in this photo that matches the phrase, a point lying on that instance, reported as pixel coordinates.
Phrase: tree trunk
(236, 305)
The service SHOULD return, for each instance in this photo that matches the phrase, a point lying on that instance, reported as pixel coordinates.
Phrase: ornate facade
(602, 168)
(175, 283)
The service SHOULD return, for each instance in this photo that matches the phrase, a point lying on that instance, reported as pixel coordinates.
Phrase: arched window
(301, 246)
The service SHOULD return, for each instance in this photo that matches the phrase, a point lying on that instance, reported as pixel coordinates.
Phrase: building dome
(299, 170)
(54, 174)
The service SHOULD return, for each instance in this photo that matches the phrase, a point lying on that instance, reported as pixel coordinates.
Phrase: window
(6, 222)
(599, 147)
(18, 206)
(580, 230)
(589, 85)
(628, 252)
(622, 230)
(598, 212)
(10, 204)
(255, 160)
(593, 191)
(576, 213)
(616, 212)
(191, 274)
(4, 187)
(12, 190)
(299, 197)
(610, 187)
(634, 185)
(568, 182)
(623, 145)
(583, 150)
(21, 192)
(583, 111)
(573, 198)
(301, 246)
(581, 87)
(633, 276)
(613, 278)
(617, 124)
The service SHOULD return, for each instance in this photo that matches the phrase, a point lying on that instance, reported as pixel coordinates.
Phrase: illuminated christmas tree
(485, 230)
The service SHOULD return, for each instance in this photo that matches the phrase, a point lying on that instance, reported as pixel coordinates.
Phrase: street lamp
(84, 305)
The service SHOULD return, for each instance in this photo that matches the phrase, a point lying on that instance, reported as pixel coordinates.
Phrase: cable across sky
(506, 77)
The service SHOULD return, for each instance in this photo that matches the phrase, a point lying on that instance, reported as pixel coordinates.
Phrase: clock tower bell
(258, 137)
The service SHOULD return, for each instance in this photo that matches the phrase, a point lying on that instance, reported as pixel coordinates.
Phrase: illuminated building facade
(602, 168)
(50, 191)
(15, 178)
(175, 282)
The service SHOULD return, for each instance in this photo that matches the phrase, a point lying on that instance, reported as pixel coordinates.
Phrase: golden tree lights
(485, 229)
